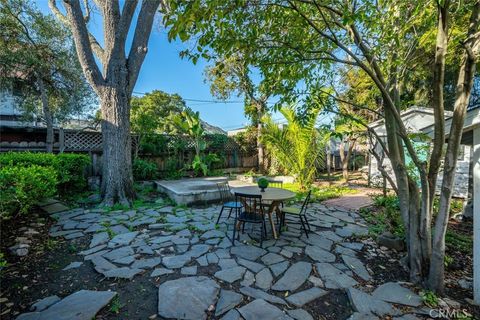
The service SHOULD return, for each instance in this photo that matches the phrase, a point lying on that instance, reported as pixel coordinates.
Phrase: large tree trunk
(47, 116)
(117, 180)
(462, 97)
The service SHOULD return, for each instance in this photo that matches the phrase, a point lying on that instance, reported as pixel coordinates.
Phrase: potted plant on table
(262, 183)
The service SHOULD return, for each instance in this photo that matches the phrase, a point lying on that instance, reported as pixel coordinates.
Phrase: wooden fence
(170, 152)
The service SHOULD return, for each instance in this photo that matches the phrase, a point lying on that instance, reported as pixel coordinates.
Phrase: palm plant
(297, 145)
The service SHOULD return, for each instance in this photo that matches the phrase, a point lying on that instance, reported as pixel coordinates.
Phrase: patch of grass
(72, 248)
(429, 298)
(3, 261)
(115, 305)
(459, 242)
(50, 244)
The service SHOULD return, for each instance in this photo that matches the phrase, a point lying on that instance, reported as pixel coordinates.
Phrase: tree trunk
(437, 100)
(47, 115)
(117, 180)
(462, 97)
(329, 162)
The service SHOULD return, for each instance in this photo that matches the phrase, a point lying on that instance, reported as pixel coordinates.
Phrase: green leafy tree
(150, 113)
(296, 144)
(37, 54)
(299, 43)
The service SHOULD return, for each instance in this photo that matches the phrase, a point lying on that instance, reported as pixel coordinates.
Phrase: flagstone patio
(201, 275)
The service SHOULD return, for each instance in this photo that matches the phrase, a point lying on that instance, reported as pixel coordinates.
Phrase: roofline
(448, 114)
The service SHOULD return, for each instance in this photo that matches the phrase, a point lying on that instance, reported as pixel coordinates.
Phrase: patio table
(274, 197)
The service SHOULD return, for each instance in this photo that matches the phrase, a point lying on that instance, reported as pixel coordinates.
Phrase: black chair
(227, 199)
(250, 212)
(300, 212)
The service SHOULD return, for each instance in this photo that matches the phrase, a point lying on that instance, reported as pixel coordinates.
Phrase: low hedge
(69, 167)
(23, 186)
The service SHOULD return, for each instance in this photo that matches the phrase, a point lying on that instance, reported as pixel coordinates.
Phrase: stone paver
(187, 298)
(230, 275)
(304, 297)
(228, 300)
(364, 303)
(260, 309)
(393, 292)
(294, 277)
(81, 305)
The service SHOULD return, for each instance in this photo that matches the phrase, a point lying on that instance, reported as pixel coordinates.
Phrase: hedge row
(26, 178)
(21, 187)
(69, 167)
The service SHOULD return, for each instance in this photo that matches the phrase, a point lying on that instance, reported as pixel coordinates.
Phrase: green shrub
(144, 170)
(21, 187)
(69, 167)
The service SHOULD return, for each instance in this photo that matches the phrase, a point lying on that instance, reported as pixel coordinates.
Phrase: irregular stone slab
(160, 272)
(357, 246)
(260, 309)
(251, 253)
(145, 249)
(179, 241)
(99, 238)
(255, 267)
(230, 275)
(260, 294)
(122, 239)
(81, 305)
(364, 303)
(119, 253)
(318, 241)
(317, 282)
(163, 239)
(231, 315)
(228, 300)
(227, 263)
(126, 261)
(294, 277)
(94, 228)
(356, 266)
(202, 261)
(347, 251)
(248, 279)
(212, 234)
(92, 250)
(187, 298)
(212, 258)
(334, 278)
(279, 268)
(393, 292)
(175, 262)
(319, 254)
(119, 229)
(44, 303)
(74, 235)
(189, 271)
(306, 296)
(73, 265)
(299, 314)
(272, 258)
(198, 250)
(146, 263)
(123, 272)
(330, 235)
(263, 279)
(101, 264)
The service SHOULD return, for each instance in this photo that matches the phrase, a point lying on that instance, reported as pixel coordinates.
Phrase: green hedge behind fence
(26, 178)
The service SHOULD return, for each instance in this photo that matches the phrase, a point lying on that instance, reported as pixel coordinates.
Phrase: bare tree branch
(138, 49)
(82, 43)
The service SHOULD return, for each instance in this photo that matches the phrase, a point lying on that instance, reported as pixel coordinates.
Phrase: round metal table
(273, 196)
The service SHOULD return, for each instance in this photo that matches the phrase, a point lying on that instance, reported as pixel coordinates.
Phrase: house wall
(460, 186)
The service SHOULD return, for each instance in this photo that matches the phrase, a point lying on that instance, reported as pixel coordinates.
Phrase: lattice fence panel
(83, 141)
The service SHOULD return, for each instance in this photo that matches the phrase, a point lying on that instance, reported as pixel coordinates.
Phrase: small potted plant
(262, 183)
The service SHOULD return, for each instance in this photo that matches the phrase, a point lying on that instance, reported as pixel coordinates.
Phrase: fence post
(61, 139)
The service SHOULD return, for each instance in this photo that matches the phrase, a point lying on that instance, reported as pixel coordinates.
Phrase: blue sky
(164, 70)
